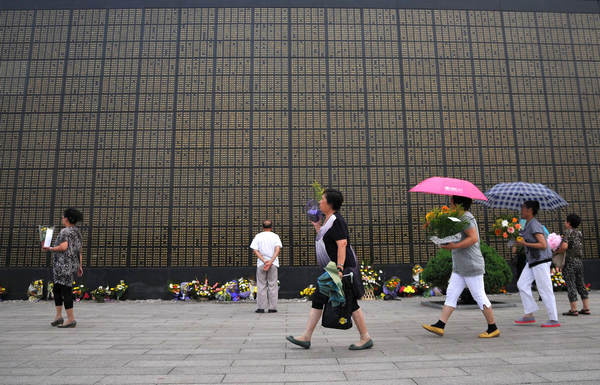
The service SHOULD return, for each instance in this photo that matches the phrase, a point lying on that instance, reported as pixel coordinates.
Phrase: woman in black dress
(332, 245)
(66, 261)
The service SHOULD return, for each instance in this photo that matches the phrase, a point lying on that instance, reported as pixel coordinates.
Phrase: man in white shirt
(266, 246)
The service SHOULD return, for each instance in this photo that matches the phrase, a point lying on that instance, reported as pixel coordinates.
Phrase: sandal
(585, 311)
(571, 312)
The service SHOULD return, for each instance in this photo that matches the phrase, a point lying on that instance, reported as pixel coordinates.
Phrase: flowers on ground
(79, 292)
(101, 293)
(371, 278)
(174, 289)
(406, 291)
(119, 291)
(2, 293)
(391, 287)
(36, 290)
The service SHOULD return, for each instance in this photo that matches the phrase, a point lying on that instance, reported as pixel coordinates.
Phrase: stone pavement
(162, 342)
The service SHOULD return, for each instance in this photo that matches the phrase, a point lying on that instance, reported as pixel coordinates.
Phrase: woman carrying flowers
(539, 259)
(572, 244)
(332, 244)
(468, 267)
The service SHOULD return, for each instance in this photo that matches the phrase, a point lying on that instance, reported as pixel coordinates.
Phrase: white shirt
(265, 243)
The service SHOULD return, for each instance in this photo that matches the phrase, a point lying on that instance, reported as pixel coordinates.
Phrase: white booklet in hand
(46, 233)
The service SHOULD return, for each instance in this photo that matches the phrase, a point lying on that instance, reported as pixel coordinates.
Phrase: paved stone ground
(161, 342)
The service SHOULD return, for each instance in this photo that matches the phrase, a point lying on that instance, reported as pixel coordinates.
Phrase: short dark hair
(464, 202)
(533, 205)
(574, 220)
(73, 215)
(334, 198)
(267, 224)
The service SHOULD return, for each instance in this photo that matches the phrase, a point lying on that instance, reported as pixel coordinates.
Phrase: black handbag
(338, 317)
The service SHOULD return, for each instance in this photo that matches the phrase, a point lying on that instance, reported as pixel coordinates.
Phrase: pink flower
(511, 230)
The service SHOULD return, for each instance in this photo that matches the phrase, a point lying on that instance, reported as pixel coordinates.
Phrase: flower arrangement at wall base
(228, 292)
(2, 293)
(204, 292)
(80, 292)
(50, 291)
(444, 225)
(506, 227)
(35, 292)
(390, 288)
(245, 287)
(558, 282)
(119, 291)
(101, 294)
(307, 292)
(372, 281)
(406, 291)
(174, 289)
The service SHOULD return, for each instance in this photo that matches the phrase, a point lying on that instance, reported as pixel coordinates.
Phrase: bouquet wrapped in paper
(46, 233)
(312, 206)
(444, 225)
(554, 240)
(35, 292)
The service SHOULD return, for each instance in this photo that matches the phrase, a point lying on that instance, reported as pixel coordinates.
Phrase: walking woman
(332, 244)
(572, 245)
(537, 268)
(468, 267)
(66, 261)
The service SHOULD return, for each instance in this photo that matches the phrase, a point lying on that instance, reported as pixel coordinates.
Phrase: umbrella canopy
(449, 186)
(513, 195)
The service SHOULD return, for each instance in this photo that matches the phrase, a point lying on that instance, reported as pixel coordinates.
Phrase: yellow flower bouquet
(307, 292)
(444, 225)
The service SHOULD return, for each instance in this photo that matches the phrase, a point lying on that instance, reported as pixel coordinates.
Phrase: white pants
(457, 285)
(541, 275)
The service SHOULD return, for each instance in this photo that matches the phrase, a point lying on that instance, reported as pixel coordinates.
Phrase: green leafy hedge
(497, 272)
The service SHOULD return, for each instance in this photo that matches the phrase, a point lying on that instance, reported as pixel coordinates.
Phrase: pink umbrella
(449, 186)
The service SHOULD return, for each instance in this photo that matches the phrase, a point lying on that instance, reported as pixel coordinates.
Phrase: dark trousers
(573, 275)
(63, 295)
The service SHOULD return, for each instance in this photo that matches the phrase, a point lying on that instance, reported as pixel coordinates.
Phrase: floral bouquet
(406, 291)
(391, 287)
(228, 292)
(371, 279)
(245, 288)
(50, 291)
(101, 294)
(119, 291)
(205, 292)
(46, 235)
(2, 293)
(558, 282)
(307, 292)
(312, 206)
(35, 292)
(444, 225)
(422, 287)
(79, 291)
(506, 227)
(174, 289)
(416, 272)
(554, 240)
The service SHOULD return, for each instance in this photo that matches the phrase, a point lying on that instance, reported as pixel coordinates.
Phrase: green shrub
(497, 272)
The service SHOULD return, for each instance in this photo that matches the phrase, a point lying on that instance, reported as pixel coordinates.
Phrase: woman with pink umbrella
(468, 265)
